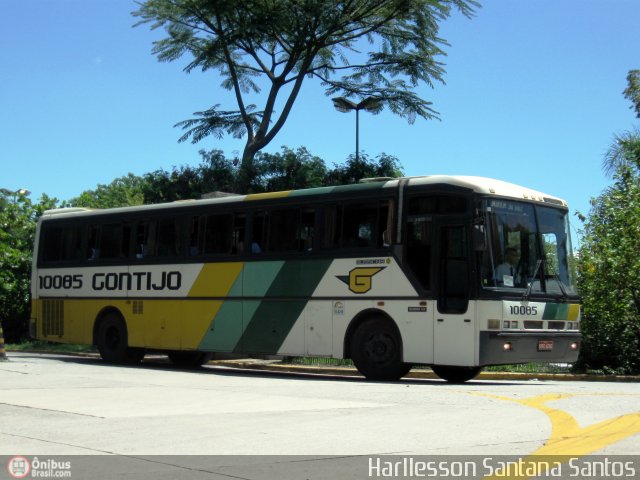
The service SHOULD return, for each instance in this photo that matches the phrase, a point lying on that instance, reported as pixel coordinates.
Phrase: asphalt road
(54, 405)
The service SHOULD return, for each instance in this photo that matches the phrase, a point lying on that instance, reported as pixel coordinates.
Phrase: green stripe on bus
(285, 300)
(312, 191)
(227, 327)
(556, 311)
(550, 311)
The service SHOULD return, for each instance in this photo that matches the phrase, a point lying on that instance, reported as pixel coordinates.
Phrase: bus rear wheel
(376, 350)
(189, 359)
(456, 374)
(113, 341)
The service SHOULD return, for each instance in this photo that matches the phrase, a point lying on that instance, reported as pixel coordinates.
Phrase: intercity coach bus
(451, 272)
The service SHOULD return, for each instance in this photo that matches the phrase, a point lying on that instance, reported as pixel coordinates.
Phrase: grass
(523, 368)
(332, 362)
(532, 368)
(40, 346)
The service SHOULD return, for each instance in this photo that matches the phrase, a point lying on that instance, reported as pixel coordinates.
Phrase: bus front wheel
(456, 374)
(113, 341)
(376, 350)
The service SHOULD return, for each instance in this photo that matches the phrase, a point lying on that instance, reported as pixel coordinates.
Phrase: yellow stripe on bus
(267, 196)
(574, 312)
(216, 279)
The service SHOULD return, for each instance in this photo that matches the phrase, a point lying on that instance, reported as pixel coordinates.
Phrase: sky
(533, 96)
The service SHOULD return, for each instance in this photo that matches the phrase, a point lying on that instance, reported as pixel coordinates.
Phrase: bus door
(454, 332)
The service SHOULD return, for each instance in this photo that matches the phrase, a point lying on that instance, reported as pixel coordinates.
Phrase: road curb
(418, 374)
(276, 366)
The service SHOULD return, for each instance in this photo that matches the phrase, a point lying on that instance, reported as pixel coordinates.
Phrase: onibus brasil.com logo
(21, 467)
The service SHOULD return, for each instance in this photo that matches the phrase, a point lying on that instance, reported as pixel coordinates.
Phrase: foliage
(123, 191)
(289, 170)
(276, 45)
(18, 217)
(285, 170)
(355, 170)
(624, 151)
(610, 260)
(632, 92)
(608, 277)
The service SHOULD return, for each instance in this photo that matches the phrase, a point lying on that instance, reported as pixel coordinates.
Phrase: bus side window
(284, 230)
(360, 225)
(91, 252)
(238, 234)
(332, 226)
(62, 244)
(171, 241)
(306, 237)
(218, 234)
(145, 239)
(258, 233)
(114, 241)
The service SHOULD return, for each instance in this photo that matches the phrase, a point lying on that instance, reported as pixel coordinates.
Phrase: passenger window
(283, 232)
(218, 234)
(170, 239)
(145, 240)
(359, 228)
(237, 241)
(307, 227)
(62, 243)
(258, 234)
(358, 225)
(332, 226)
(114, 241)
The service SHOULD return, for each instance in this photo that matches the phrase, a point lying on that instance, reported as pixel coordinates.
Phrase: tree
(289, 170)
(18, 217)
(609, 260)
(625, 148)
(608, 277)
(254, 44)
(632, 92)
(122, 192)
(355, 170)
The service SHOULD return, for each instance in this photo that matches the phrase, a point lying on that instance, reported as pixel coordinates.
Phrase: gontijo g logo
(359, 279)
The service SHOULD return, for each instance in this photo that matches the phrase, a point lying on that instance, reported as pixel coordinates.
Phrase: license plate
(545, 345)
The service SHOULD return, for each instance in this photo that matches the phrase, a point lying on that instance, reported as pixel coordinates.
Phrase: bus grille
(53, 318)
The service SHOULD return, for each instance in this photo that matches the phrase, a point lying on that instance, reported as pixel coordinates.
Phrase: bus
(451, 272)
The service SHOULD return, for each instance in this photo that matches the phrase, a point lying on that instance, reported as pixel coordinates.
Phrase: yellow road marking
(567, 437)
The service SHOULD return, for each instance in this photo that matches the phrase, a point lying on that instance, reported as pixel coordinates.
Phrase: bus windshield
(528, 249)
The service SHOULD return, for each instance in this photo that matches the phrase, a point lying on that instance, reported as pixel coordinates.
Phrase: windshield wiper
(565, 295)
(527, 292)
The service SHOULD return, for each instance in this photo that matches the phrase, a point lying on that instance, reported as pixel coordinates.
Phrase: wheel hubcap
(380, 348)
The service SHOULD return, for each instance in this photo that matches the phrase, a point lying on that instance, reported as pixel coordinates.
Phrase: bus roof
(481, 185)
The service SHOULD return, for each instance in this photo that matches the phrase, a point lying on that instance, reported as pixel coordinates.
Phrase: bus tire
(376, 350)
(456, 374)
(189, 359)
(113, 341)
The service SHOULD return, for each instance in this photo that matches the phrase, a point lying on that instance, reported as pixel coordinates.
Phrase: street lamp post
(370, 104)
